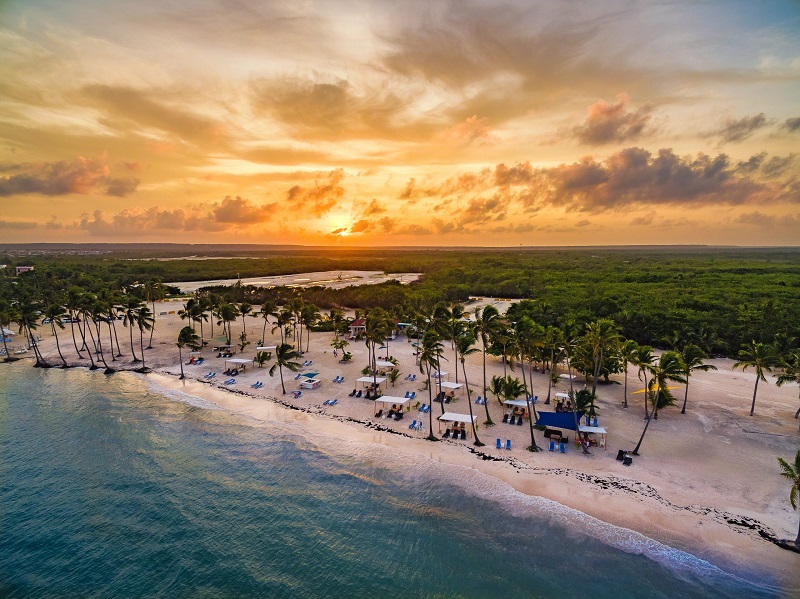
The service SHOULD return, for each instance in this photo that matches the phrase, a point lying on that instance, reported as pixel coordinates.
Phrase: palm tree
(644, 360)
(465, 347)
(130, 309)
(759, 356)
(227, 314)
(54, 312)
(268, 309)
(669, 367)
(692, 357)
(262, 358)
(187, 336)
(486, 322)
(429, 352)
(791, 373)
(553, 344)
(154, 290)
(244, 310)
(144, 320)
(308, 316)
(8, 314)
(282, 320)
(601, 337)
(792, 472)
(627, 352)
(377, 327)
(28, 310)
(568, 346)
(72, 304)
(285, 355)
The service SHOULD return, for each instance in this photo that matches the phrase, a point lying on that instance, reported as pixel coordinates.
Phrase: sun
(339, 225)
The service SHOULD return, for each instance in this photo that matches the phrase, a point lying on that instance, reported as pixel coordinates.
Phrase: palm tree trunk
(99, 346)
(575, 407)
(685, 395)
(153, 328)
(74, 341)
(755, 390)
(485, 403)
(8, 357)
(469, 403)
(116, 338)
(58, 346)
(647, 423)
(180, 358)
(646, 394)
(141, 348)
(529, 401)
(280, 371)
(111, 340)
(625, 387)
(135, 359)
(431, 436)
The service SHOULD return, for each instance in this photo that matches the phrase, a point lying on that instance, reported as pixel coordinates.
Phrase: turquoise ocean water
(111, 489)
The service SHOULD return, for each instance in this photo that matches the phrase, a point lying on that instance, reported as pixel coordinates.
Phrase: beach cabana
(385, 400)
(451, 386)
(368, 380)
(243, 362)
(384, 364)
(596, 430)
(456, 417)
(440, 375)
(266, 348)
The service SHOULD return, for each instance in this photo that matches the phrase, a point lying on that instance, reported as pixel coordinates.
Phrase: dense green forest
(719, 298)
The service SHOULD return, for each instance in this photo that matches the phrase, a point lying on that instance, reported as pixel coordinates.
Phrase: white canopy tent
(563, 396)
(266, 347)
(384, 364)
(389, 399)
(519, 403)
(456, 417)
(568, 377)
(438, 375)
(597, 430)
(243, 362)
(453, 386)
(368, 379)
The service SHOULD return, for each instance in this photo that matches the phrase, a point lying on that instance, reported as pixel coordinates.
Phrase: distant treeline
(721, 297)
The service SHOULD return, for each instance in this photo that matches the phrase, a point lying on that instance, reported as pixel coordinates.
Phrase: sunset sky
(400, 123)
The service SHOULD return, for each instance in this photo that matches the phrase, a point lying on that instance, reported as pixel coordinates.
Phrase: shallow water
(109, 489)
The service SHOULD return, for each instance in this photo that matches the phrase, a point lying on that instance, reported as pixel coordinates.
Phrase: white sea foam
(174, 394)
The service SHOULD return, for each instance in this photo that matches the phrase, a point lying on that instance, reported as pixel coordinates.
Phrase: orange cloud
(607, 123)
(81, 176)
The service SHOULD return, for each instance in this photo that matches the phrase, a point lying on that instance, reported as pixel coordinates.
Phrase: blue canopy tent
(565, 420)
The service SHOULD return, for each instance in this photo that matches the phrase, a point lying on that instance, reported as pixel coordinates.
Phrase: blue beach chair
(508, 443)
(499, 444)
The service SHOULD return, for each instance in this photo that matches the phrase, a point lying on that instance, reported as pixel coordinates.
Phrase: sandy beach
(706, 482)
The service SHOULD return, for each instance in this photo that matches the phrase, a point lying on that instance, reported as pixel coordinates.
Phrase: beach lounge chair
(332, 402)
(413, 395)
(414, 378)
(419, 425)
(552, 445)
(594, 421)
(505, 418)
(326, 402)
(427, 409)
(297, 377)
(359, 393)
(519, 420)
(296, 394)
(562, 447)
(627, 460)
(422, 408)
(352, 393)
(508, 443)
(379, 414)
(413, 424)
(446, 434)
(499, 444)
(463, 435)
(621, 454)
(230, 381)
(478, 401)
(406, 396)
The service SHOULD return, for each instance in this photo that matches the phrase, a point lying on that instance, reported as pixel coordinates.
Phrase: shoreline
(685, 491)
(525, 480)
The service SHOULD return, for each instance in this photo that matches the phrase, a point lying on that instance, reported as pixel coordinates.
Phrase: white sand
(696, 471)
